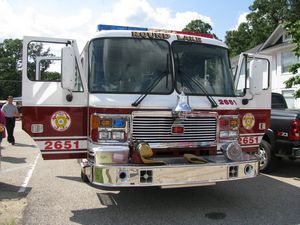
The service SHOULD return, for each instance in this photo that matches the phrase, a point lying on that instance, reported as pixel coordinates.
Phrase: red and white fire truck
(146, 107)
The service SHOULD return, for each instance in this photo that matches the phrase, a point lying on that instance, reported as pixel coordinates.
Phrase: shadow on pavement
(201, 205)
(287, 168)
(78, 179)
(13, 159)
(9, 192)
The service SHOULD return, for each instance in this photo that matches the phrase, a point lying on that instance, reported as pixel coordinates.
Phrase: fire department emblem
(60, 121)
(248, 121)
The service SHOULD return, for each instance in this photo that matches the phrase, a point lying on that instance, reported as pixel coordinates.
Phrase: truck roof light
(195, 34)
(101, 27)
(116, 27)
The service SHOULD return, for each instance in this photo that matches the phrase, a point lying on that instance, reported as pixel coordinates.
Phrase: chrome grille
(157, 129)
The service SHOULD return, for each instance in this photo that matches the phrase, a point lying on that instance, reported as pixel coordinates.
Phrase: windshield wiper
(150, 88)
(210, 99)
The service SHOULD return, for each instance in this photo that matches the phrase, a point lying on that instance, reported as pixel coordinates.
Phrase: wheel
(267, 159)
(84, 177)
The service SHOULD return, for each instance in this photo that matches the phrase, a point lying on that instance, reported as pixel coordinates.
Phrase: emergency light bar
(101, 27)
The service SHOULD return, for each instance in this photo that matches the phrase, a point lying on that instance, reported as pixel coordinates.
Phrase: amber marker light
(94, 121)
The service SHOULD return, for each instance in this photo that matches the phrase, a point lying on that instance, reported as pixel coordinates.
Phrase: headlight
(109, 127)
(233, 134)
(224, 134)
(104, 135)
(118, 135)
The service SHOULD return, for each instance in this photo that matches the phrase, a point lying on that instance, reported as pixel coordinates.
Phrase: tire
(84, 177)
(268, 160)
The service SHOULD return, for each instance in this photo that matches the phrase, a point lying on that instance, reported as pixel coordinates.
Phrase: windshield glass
(127, 65)
(198, 64)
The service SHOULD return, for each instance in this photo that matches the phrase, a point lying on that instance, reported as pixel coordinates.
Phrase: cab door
(54, 97)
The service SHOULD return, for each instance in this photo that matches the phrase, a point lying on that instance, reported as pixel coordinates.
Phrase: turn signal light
(94, 121)
(105, 122)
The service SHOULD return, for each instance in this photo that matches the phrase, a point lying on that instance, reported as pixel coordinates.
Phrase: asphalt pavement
(34, 191)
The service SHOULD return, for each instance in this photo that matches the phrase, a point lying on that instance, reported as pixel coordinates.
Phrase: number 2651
(57, 145)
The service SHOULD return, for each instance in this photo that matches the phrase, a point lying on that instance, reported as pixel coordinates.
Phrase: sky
(77, 19)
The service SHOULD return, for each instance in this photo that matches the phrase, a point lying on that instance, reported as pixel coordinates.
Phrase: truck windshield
(201, 68)
(127, 65)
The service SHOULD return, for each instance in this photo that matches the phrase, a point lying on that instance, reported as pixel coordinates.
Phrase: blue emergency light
(101, 27)
(115, 27)
(119, 123)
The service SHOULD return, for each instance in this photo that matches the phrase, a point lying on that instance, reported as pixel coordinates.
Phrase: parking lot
(33, 191)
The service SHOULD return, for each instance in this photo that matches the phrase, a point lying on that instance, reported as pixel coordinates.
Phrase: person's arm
(16, 112)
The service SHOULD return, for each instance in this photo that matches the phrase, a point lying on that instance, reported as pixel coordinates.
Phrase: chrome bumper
(176, 173)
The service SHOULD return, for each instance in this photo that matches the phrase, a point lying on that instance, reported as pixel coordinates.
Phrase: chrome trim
(200, 128)
(177, 172)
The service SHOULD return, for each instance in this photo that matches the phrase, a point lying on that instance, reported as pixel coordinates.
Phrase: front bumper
(176, 173)
(286, 148)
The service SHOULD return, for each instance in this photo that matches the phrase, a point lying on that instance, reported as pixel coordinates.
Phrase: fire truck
(145, 107)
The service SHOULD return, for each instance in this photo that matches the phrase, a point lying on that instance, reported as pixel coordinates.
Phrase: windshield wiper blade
(208, 96)
(150, 88)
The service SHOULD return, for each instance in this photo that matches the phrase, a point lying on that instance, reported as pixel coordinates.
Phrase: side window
(242, 76)
(78, 82)
(44, 63)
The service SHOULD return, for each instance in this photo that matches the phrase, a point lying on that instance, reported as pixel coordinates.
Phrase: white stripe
(29, 174)
(60, 137)
(52, 106)
(249, 146)
(252, 134)
(51, 152)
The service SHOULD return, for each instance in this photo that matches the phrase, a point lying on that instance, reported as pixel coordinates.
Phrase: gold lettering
(143, 35)
(188, 38)
(150, 35)
(136, 34)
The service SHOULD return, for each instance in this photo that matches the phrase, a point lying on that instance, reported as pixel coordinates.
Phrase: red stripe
(60, 139)
(64, 156)
(42, 115)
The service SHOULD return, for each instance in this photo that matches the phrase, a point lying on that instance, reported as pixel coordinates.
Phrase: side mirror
(258, 68)
(68, 68)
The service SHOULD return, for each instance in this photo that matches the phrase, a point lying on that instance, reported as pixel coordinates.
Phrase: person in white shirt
(11, 112)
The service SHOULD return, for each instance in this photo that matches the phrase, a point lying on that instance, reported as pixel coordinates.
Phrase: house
(280, 47)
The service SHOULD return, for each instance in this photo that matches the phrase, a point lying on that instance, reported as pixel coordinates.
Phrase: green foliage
(264, 17)
(51, 76)
(10, 75)
(238, 39)
(198, 26)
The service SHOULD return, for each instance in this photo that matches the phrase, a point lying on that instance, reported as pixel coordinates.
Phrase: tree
(199, 26)
(10, 75)
(240, 36)
(293, 28)
(264, 17)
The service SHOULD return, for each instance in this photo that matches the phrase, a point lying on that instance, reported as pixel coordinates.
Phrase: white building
(280, 47)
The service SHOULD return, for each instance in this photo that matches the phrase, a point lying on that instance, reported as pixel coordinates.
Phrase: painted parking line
(295, 181)
(29, 175)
